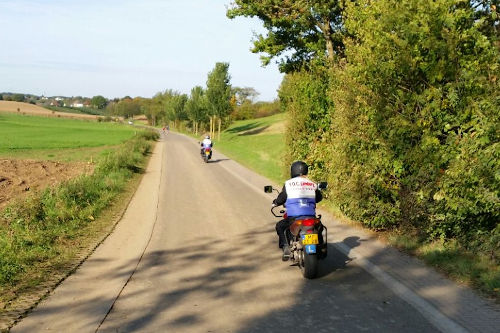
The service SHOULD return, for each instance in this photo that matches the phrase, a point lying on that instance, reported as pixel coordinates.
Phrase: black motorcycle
(306, 237)
(206, 154)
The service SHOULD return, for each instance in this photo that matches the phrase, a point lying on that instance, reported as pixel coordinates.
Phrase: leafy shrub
(304, 95)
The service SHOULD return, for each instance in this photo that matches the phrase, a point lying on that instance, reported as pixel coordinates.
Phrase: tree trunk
(218, 135)
(327, 32)
(213, 127)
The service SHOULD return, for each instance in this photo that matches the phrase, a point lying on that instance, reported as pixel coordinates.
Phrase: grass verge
(257, 144)
(473, 267)
(41, 237)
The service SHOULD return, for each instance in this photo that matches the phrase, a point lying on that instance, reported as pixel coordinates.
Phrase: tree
(297, 30)
(196, 107)
(219, 92)
(18, 98)
(99, 102)
(244, 94)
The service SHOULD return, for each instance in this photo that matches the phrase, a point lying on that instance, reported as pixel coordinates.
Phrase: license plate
(207, 153)
(310, 239)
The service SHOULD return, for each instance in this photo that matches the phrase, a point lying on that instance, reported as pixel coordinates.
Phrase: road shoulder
(78, 306)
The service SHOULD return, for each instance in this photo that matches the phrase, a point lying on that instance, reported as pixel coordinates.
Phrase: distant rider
(206, 143)
(299, 195)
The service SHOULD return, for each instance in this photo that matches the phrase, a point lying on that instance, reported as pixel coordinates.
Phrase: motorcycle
(206, 154)
(306, 237)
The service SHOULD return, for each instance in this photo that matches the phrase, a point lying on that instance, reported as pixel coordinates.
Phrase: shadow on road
(343, 298)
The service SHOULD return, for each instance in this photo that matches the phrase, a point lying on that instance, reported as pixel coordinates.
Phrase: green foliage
(126, 107)
(405, 126)
(18, 98)
(297, 31)
(99, 102)
(304, 96)
(246, 110)
(266, 109)
(33, 232)
(196, 106)
(420, 146)
(218, 91)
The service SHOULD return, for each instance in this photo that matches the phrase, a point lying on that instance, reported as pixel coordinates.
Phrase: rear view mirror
(322, 185)
(268, 189)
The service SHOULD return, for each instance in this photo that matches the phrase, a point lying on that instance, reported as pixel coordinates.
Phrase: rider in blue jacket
(299, 195)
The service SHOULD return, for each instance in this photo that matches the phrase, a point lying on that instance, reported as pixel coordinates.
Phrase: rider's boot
(286, 253)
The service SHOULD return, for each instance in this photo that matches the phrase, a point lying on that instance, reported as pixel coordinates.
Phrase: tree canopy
(219, 90)
(298, 31)
(99, 102)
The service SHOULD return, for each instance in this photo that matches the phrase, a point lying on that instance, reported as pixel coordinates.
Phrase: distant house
(77, 105)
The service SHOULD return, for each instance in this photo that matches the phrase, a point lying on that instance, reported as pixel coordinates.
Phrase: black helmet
(299, 168)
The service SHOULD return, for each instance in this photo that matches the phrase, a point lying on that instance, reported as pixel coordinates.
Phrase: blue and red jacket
(299, 195)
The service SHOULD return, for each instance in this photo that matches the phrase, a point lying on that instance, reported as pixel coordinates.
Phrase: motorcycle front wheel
(309, 265)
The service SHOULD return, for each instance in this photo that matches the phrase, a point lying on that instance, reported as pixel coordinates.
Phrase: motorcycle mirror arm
(275, 215)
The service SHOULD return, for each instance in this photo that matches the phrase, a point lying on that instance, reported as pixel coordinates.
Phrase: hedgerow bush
(406, 126)
(304, 95)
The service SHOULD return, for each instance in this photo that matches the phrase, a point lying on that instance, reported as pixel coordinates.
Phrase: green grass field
(257, 143)
(56, 138)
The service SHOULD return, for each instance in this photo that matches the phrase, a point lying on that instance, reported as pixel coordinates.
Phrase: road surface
(199, 254)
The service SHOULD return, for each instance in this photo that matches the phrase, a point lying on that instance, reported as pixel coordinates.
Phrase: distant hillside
(26, 108)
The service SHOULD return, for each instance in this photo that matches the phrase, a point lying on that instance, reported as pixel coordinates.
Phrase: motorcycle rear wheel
(309, 265)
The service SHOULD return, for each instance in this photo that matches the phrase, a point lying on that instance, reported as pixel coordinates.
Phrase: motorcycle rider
(299, 195)
(206, 143)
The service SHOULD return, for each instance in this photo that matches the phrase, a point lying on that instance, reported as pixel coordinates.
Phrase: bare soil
(20, 178)
(26, 108)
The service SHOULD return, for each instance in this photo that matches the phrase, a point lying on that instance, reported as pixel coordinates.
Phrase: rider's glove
(273, 205)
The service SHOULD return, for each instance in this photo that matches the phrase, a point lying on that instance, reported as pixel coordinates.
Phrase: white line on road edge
(435, 317)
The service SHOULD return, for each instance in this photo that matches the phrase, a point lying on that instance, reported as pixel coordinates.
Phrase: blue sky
(125, 47)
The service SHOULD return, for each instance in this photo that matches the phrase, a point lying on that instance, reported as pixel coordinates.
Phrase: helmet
(299, 168)
(207, 137)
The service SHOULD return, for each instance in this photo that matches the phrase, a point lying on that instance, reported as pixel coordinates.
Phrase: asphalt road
(213, 266)
(210, 263)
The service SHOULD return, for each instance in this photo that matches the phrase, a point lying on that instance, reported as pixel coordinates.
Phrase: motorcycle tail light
(207, 149)
(308, 222)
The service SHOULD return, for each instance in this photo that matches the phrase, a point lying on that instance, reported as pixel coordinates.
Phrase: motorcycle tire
(310, 265)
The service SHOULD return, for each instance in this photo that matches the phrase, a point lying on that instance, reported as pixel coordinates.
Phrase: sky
(117, 48)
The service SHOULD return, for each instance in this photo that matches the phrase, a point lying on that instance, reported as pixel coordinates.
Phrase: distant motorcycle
(307, 238)
(206, 154)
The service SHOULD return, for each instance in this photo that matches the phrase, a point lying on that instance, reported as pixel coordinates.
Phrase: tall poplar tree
(219, 92)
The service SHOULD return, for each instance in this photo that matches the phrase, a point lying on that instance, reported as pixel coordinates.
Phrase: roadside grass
(477, 269)
(60, 139)
(41, 236)
(259, 145)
